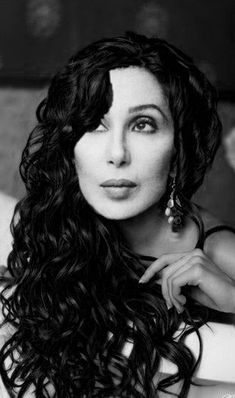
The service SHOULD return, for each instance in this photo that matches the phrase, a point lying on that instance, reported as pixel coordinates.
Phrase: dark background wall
(37, 37)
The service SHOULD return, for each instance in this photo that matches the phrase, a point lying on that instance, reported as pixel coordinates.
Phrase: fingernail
(169, 305)
(182, 300)
(142, 279)
(179, 310)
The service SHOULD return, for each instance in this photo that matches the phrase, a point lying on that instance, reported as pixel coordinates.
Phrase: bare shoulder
(7, 205)
(219, 245)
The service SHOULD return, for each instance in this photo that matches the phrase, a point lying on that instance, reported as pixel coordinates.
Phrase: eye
(145, 124)
(100, 129)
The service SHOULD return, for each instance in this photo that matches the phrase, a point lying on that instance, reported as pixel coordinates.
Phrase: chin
(117, 216)
(121, 213)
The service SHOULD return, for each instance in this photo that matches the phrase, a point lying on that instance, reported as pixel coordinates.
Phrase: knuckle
(198, 252)
(197, 259)
(164, 273)
(198, 270)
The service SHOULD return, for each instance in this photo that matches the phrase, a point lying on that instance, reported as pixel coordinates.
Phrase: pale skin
(209, 284)
(135, 141)
(128, 146)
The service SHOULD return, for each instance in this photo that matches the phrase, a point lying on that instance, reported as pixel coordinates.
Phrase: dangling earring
(173, 212)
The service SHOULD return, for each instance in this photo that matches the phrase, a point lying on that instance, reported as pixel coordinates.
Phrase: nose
(117, 152)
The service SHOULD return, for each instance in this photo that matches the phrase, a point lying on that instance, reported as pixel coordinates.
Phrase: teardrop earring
(173, 212)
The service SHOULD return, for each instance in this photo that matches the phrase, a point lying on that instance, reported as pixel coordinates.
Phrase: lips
(118, 183)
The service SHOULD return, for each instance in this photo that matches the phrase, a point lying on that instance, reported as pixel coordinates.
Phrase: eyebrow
(147, 106)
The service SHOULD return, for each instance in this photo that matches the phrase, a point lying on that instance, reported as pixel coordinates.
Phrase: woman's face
(123, 165)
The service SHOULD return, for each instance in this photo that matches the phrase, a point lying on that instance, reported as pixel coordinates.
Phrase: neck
(146, 232)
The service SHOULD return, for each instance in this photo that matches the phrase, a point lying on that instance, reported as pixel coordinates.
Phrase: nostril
(118, 154)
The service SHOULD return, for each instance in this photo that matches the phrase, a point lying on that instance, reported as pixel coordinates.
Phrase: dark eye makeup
(140, 123)
(144, 124)
(100, 128)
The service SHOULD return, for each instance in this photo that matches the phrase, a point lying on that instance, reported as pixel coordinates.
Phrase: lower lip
(119, 192)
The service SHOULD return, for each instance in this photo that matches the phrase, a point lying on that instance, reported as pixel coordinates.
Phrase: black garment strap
(198, 245)
(218, 228)
(147, 258)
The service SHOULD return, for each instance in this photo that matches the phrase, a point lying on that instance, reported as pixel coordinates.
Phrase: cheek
(158, 164)
(86, 170)
(86, 157)
(81, 161)
(82, 172)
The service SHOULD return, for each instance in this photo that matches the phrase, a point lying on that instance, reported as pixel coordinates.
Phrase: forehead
(136, 86)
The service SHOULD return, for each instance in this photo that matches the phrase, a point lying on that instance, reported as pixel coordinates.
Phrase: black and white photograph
(117, 199)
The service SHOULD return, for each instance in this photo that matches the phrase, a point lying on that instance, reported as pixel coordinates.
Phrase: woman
(125, 135)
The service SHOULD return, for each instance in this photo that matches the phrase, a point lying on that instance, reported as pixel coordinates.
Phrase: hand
(209, 285)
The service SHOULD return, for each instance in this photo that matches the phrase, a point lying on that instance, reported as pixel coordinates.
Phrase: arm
(7, 205)
(220, 247)
(218, 359)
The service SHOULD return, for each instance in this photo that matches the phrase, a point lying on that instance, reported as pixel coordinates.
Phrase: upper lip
(118, 183)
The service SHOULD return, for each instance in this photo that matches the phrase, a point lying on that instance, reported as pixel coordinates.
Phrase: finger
(168, 273)
(182, 276)
(170, 269)
(159, 264)
(177, 281)
(194, 258)
(166, 260)
(216, 288)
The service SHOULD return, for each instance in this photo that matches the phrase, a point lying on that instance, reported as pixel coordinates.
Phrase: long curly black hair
(72, 299)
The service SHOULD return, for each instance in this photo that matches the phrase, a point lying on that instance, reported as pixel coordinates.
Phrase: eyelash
(137, 121)
(146, 121)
